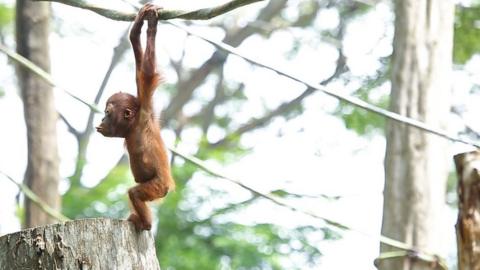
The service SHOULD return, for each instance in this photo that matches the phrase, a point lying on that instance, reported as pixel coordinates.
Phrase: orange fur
(132, 118)
(148, 157)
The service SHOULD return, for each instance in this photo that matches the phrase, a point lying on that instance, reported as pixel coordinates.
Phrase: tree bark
(416, 163)
(42, 174)
(468, 222)
(79, 244)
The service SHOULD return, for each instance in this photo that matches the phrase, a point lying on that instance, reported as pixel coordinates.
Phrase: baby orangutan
(132, 118)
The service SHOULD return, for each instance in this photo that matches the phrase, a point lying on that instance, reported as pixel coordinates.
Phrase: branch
(37, 200)
(234, 39)
(70, 127)
(262, 121)
(284, 107)
(118, 53)
(200, 14)
(84, 137)
(468, 129)
(208, 112)
(201, 165)
(343, 97)
(185, 88)
(231, 207)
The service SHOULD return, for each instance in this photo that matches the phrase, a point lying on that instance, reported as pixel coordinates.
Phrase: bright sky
(315, 153)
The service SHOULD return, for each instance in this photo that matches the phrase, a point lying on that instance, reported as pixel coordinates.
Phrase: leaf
(360, 120)
(466, 33)
(107, 198)
(6, 15)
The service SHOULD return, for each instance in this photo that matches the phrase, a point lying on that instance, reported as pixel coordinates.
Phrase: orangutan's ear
(128, 113)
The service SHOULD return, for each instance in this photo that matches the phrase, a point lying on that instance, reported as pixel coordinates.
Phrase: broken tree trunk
(468, 222)
(79, 244)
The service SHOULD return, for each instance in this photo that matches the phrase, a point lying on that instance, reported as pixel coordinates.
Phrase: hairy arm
(150, 77)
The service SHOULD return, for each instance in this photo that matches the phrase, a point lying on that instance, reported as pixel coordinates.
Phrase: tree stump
(468, 222)
(79, 244)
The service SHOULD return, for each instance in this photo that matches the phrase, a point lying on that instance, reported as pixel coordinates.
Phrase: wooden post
(468, 222)
(79, 244)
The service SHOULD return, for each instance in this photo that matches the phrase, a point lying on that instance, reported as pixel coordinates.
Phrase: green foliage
(6, 15)
(212, 243)
(109, 196)
(352, 10)
(20, 213)
(209, 246)
(308, 11)
(187, 240)
(467, 33)
(225, 153)
(360, 120)
(452, 183)
(168, 88)
(198, 231)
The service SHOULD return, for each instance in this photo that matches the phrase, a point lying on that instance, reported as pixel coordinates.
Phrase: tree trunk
(79, 244)
(416, 163)
(468, 222)
(42, 174)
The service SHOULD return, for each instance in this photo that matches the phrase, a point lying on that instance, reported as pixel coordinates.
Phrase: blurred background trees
(42, 173)
(416, 163)
(222, 109)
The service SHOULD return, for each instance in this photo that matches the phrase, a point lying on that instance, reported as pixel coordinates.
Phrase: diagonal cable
(37, 200)
(274, 199)
(349, 99)
(427, 256)
(43, 74)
